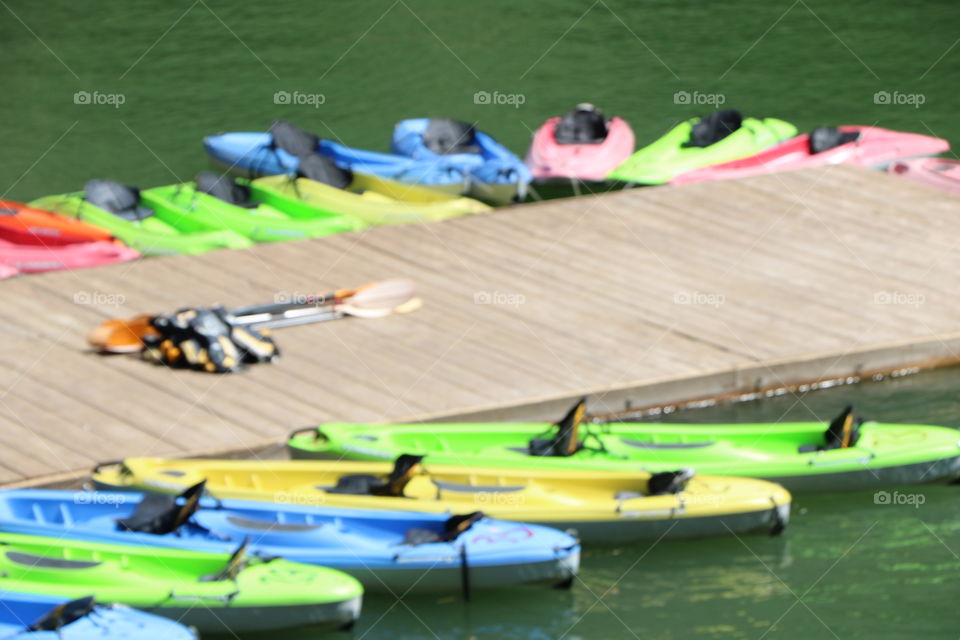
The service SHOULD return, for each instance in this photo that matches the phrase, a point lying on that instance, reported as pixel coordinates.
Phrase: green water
(846, 568)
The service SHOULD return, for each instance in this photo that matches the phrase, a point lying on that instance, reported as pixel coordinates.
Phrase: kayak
(22, 224)
(941, 173)
(118, 208)
(496, 174)
(398, 551)
(27, 616)
(369, 199)
(602, 506)
(801, 456)
(860, 146)
(581, 145)
(7, 271)
(257, 154)
(39, 258)
(222, 202)
(699, 142)
(213, 592)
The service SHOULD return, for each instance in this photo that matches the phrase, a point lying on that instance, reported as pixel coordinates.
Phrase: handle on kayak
(101, 465)
(296, 432)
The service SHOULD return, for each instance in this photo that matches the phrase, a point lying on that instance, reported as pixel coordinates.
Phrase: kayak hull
(885, 455)
(250, 155)
(941, 173)
(611, 506)
(548, 159)
(369, 548)
(495, 173)
(38, 259)
(179, 584)
(665, 159)
(874, 148)
(152, 236)
(24, 225)
(105, 622)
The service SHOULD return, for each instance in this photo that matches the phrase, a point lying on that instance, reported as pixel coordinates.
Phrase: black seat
(585, 124)
(445, 136)
(292, 139)
(322, 169)
(225, 188)
(715, 127)
(120, 199)
(826, 138)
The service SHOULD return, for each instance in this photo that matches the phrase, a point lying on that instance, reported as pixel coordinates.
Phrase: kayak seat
(160, 514)
(826, 138)
(63, 614)
(715, 127)
(665, 445)
(452, 528)
(475, 488)
(292, 139)
(269, 525)
(120, 199)
(316, 167)
(445, 136)
(44, 562)
(226, 189)
(584, 125)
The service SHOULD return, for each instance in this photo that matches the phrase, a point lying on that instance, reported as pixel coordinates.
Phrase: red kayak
(936, 172)
(861, 146)
(27, 258)
(582, 145)
(25, 225)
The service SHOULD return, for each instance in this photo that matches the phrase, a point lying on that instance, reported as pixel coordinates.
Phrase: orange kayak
(25, 225)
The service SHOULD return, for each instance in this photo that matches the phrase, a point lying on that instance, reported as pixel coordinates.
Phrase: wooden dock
(636, 298)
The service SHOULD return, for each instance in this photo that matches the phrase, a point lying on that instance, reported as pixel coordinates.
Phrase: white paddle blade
(382, 295)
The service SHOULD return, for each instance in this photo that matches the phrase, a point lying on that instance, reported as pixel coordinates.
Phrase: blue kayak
(25, 616)
(263, 154)
(394, 550)
(496, 173)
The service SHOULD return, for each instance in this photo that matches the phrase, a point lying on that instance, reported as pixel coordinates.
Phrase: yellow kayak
(602, 506)
(374, 201)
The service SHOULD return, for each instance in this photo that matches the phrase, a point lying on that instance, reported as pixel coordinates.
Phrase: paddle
(373, 300)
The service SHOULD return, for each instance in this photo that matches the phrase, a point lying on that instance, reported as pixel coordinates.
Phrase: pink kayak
(7, 272)
(581, 145)
(36, 258)
(861, 146)
(936, 172)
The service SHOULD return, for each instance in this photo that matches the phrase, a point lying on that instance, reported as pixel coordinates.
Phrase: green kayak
(700, 142)
(847, 454)
(220, 202)
(119, 209)
(212, 591)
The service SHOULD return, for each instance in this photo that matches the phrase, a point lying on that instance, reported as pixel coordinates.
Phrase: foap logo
(300, 499)
(295, 297)
(697, 98)
(99, 298)
(499, 499)
(499, 298)
(95, 497)
(497, 98)
(885, 498)
(97, 98)
(699, 298)
(897, 98)
(299, 98)
(899, 298)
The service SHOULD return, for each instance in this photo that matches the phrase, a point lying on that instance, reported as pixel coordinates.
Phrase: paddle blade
(378, 299)
(121, 336)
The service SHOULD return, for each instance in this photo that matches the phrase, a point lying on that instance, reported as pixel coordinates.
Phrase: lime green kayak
(214, 592)
(802, 456)
(700, 142)
(373, 200)
(118, 208)
(198, 210)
